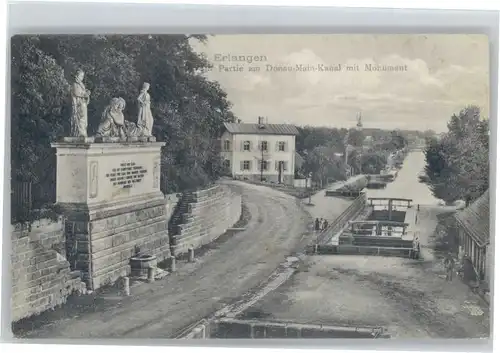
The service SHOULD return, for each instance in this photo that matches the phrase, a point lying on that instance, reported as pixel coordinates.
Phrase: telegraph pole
(359, 127)
(262, 161)
(310, 187)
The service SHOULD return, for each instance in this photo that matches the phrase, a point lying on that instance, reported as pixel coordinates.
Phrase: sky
(438, 75)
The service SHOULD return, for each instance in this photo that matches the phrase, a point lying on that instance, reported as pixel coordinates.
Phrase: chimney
(261, 120)
(239, 121)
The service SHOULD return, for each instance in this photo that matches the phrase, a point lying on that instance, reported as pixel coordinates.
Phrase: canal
(407, 184)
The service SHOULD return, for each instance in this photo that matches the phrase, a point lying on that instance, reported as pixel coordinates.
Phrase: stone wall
(171, 203)
(234, 328)
(202, 216)
(257, 329)
(270, 178)
(41, 276)
(347, 249)
(102, 247)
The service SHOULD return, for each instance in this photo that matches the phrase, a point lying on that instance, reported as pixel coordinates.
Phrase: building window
(281, 164)
(227, 163)
(246, 165)
(227, 145)
(281, 146)
(264, 165)
(246, 146)
(263, 146)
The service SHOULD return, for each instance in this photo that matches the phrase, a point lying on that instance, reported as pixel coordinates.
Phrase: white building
(260, 152)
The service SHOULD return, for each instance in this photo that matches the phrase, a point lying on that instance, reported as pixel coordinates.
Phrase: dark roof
(475, 219)
(267, 129)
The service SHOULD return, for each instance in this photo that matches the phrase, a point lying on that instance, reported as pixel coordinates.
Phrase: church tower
(359, 125)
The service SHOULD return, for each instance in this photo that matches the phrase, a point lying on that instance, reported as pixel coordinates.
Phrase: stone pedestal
(109, 193)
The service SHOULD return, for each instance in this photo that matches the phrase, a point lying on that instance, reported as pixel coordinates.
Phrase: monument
(108, 189)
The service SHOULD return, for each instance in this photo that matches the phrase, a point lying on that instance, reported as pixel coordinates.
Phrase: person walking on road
(449, 265)
(316, 224)
(416, 249)
(325, 224)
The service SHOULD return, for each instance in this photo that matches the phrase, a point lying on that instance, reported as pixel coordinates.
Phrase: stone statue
(133, 130)
(80, 97)
(113, 123)
(145, 119)
(112, 120)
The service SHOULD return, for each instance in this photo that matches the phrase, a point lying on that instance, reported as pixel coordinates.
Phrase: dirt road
(277, 227)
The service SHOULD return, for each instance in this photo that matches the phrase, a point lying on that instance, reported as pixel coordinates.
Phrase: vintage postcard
(250, 186)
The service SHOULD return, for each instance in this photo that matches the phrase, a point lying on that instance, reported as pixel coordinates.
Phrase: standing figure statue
(145, 118)
(112, 120)
(80, 97)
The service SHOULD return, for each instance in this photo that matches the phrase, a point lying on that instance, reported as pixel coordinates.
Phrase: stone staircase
(176, 219)
(202, 216)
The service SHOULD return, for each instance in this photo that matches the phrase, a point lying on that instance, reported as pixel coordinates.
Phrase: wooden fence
(21, 202)
(31, 201)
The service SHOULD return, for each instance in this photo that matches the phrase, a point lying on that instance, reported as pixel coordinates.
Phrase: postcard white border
(112, 17)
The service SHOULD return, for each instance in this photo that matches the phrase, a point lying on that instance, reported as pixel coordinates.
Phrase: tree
(38, 101)
(458, 162)
(370, 160)
(439, 172)
(471, 164)
(311, 137)
(367, 162)
(324, 164)
(398, 140)
(356, 138)
(427, 134)
(373, 162)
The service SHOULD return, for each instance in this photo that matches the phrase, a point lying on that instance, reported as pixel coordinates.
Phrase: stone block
(51, 262)
(105, 227)
(276, 332)
(109, 277)
(22, 243)
(292, 332)
(318, 333)
(114, 258)
(233, 330)
(259, 331)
